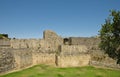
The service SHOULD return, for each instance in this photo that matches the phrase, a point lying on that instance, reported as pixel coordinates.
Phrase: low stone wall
(99, 58)
(43, 58)
(26, 43)
(73, 60)
(105, 64)
(16, 59)
(72, 49)
(73, 55)
(6, 60)
(23, 58)
(28, 57)
(87, 41)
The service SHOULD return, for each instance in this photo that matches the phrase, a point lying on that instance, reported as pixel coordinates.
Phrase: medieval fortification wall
(54, 50)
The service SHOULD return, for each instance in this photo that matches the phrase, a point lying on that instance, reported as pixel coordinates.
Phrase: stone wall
(87, 41)
(50, 42)
(73, 60)
(74, 49)
(99, 58)
(26, 43)
(84, 40)
(53, 40)
(43, 58)
(73, 55)
(14, 59)
(28, 57)
(28, 52)
(4, 43)
(51, 50)
(23, 58)
(6, 60)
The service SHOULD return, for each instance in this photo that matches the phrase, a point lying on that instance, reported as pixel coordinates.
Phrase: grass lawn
(49, 71)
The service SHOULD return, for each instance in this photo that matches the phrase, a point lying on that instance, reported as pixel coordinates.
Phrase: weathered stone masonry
(52, 49)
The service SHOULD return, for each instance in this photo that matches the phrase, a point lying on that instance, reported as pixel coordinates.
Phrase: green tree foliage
(1, 36)
(110, 35)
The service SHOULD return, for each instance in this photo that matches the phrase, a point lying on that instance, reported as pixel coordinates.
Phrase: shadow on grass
(59, 75)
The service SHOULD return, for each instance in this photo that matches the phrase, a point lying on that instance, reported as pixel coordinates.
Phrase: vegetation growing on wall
(3, 36)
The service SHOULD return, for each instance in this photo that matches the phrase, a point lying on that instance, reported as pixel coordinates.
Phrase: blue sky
(78, 18)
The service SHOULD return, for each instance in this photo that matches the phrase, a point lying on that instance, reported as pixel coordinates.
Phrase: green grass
(49, 71)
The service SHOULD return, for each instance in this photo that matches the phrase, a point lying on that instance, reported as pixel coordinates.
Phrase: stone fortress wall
(54, 50)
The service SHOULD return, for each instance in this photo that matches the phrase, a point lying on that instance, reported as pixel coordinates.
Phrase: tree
(110, 35)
